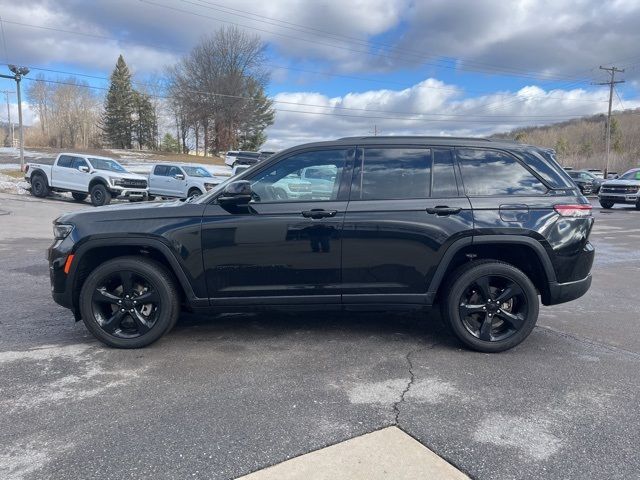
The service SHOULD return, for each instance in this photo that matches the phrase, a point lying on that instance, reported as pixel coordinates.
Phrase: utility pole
(612, 82)
(375, 130)
(18, 73)
(6, 96)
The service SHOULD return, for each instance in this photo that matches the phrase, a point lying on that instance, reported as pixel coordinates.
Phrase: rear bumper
(565, 292)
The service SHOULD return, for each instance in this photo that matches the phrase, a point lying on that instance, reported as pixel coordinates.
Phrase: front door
(404, 212)
(286, 247)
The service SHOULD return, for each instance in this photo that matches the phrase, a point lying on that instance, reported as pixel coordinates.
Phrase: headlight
(209, 186)
(117, 181)
(61, 230)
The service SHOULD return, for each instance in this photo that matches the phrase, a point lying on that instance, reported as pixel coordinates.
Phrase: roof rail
(417, 137)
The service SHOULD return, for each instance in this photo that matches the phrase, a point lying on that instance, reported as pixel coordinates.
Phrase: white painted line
(387, 454)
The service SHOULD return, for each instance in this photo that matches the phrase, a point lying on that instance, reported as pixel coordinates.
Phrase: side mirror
(83, 168)
(179, 176)
(236, 193)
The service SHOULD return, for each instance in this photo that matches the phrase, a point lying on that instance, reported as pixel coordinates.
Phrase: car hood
(127, 175)
(620, 182)
(134, 212)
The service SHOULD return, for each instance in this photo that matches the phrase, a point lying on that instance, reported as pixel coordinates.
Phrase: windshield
(196, 172)
(632, 175)
(106, 164)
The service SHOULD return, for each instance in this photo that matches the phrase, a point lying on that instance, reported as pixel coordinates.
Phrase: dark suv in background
(484, 229)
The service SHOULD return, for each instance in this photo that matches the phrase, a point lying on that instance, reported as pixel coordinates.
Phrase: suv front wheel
(491, 306)
(129, 302)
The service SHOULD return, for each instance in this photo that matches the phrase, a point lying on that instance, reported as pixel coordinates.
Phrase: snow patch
(13, 185)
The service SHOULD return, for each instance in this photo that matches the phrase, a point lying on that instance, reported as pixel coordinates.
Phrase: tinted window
(106, 164)
(393, 173)
(161, 170)
(632, 175)
(79, 162)
(488, 172)
(544, 163)
(285, 181)
(196, 171)
(173, 171)
(65, 161)
(444, 178)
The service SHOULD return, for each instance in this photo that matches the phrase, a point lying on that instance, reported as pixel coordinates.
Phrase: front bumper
(137, 193)
(619, 197)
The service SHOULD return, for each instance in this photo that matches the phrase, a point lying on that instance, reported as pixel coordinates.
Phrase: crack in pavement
(412, 377)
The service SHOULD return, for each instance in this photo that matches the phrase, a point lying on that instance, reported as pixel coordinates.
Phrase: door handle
(317, 213)
(442, 210)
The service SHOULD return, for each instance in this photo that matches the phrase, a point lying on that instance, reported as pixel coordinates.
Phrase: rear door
(62, 173)
(157, 184)
(405, 210)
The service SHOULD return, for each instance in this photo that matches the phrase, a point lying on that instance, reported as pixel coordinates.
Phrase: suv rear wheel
(605, 204)
(490, 306)
(100, 195)
(129, 302)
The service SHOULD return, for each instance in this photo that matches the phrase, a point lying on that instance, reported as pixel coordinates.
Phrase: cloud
(433, 107)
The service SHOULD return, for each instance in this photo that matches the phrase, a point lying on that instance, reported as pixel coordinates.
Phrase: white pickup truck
(180, 180)
(100, 177)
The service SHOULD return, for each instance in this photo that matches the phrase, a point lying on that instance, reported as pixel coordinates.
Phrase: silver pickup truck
(624, 189)
(101, 178)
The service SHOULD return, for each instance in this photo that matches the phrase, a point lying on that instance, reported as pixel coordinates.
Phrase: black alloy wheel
(490, 305)
(126, 305)
(493, 308)
(100, 195)
(129, 302)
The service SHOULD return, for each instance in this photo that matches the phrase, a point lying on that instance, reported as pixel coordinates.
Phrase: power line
(305, 28)
(316, 42)
(518, 97)
(498, 119)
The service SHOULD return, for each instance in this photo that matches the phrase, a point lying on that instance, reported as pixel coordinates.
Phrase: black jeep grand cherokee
(480, 228)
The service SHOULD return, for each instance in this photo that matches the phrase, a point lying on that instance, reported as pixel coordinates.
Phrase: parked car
(264, 154)
(230, 157)
(241, 157)
(180, 180)
(596, 172)
(102, 178)
(310, 182)
(246, 158)
(586, 181)
(583, 182)
(239, 169)
(624, 189)
(612, 175)
(483, 229)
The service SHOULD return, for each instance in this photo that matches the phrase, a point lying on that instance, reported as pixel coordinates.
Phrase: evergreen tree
(117, 120)
(145, 125)
(170, 144)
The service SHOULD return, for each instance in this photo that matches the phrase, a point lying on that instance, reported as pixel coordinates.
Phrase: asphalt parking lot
(224, 396)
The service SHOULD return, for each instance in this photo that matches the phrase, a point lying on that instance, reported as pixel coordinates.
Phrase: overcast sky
(451, 67)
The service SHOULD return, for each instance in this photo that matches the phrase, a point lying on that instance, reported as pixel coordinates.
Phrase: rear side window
(489, 172)
(393, 173)
(65, 161)
(545, 165)
(161, 170)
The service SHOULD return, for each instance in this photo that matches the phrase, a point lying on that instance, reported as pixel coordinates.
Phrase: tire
(39, 187)
(606, 205)
(125, 324)
(79, 197)
(194, 192)
(638, 205)
(510, 321)
(100, 195)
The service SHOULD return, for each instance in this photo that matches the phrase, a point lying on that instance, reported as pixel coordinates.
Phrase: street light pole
(18, 73)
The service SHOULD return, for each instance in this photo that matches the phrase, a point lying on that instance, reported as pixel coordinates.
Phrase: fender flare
(461, 243)
(39, 171)
(97, 180)
(141, 242)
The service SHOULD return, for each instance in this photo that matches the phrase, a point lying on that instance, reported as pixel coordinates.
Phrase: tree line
(213, 99)
(580, 143)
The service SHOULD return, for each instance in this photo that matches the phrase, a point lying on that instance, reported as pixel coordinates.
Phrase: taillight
(577, 210)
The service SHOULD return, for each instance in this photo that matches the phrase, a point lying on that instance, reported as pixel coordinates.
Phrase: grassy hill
(580, 143)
